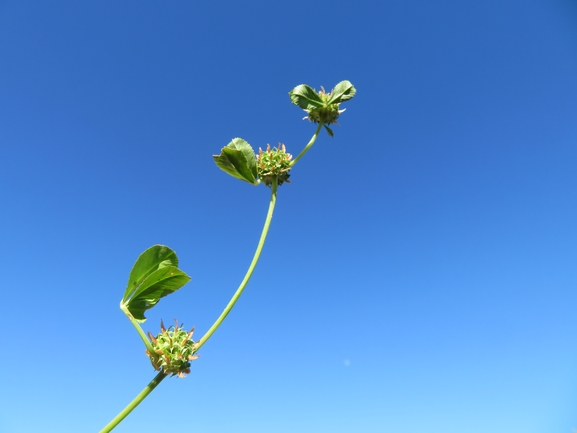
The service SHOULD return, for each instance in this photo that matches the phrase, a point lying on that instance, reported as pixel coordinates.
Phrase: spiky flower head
(273, 163)
(173, 350)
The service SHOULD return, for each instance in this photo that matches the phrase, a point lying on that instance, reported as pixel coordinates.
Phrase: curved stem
(251, 268)
(160, 376)
(308, 146)
(137, 400)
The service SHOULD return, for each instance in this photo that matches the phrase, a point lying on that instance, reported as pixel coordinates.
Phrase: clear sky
(420, 273)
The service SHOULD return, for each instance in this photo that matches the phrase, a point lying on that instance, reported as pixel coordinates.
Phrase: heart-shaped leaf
(239, 160)
(342, 92)
(154, 276)
(149, 261)
(305, 97)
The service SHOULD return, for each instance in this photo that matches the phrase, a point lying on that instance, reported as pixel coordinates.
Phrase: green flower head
(273, 163)
(173, 350)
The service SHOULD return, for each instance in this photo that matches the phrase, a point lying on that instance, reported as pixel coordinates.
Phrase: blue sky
(420, 270)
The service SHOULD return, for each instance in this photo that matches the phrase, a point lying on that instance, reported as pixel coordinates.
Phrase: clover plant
(156, 274)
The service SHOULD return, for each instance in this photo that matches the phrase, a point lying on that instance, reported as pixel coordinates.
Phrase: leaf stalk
(138, 328)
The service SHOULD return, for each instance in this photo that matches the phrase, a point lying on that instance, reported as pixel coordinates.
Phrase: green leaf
(342, 92)
(305, 97)
(154, 276)
(329, 130)
(239, 160)
(149, 261)
(159, 284)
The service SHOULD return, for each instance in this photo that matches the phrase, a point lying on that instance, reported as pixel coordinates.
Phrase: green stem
(160, 376)
(138, 328)
(308, 146)
(137, 400)
(251, 268)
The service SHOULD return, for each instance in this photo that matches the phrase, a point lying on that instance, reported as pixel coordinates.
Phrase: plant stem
(251, 268)
(139, 329)
(308, 146)
(160, 376)
(137, 400)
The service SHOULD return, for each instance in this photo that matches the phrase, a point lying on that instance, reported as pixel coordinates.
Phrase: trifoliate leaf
(152, 259)
(159, 284)
(153, 276)
(238, 160)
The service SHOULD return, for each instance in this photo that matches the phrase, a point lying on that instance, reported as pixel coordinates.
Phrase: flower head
(273, 163)
(173, 350)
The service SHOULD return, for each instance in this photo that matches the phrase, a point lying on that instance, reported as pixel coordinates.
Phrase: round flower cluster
(324, 115)
(173, 350)
(273, 163)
